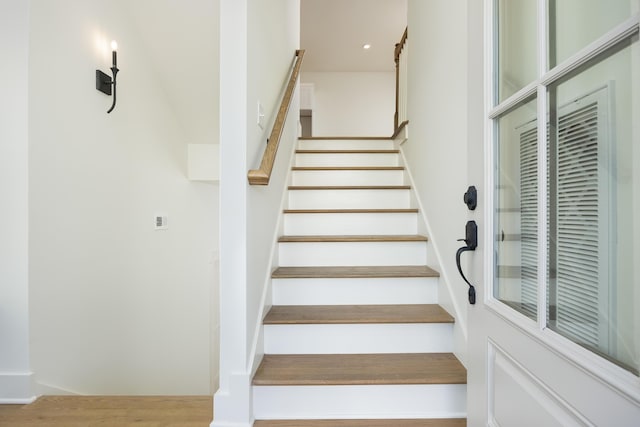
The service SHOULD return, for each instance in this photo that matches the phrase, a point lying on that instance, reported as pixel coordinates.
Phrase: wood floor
(348, 187)
(459, 422)
(160, 411)
(107, 411)
(354, 238)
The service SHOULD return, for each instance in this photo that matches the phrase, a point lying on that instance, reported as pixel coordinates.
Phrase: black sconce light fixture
(105, 81)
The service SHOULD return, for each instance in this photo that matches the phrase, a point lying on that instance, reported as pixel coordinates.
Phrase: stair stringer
(257, 347)
(445, 291)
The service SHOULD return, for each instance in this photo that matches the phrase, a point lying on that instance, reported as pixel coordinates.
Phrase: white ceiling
(333, 32)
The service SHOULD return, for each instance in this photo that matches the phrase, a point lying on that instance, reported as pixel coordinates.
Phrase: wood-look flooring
(458, 422)
(349, 187)
(347, 168)
(356, 314)
(159, 411)
(360, 369)
(347, 151)
(346, 138)
(354, 272)
(353, 238)
(346, 211)
(110, 411)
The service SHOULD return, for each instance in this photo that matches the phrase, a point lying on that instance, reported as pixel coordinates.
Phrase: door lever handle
(471, 243)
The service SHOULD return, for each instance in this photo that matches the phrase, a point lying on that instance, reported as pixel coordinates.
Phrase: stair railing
(262, 175)
(401, 56)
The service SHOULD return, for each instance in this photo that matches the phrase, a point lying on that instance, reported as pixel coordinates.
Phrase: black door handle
(471, 241)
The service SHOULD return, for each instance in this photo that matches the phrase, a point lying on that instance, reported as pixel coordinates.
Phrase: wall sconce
(105, 81)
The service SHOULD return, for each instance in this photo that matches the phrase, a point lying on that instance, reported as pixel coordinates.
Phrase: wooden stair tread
(396, 271)
(303, 211)
(360, 369)
(349, 187)
(353, 238)
(350, 138)
(437, 422)
(347, 168)
(329, 151)
(356, 314)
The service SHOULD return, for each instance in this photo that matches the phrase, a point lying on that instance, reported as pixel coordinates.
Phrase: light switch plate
(260, 115)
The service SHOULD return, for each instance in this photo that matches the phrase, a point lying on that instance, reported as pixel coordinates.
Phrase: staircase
(355, 336)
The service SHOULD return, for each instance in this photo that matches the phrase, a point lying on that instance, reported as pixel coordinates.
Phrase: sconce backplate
(103, 82)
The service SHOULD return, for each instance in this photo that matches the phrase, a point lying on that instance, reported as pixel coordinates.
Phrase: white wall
(15, 377)
(273, 37)
(353, 103)
(116, 307)
(437, 148)
(181, 39)
(258, 39)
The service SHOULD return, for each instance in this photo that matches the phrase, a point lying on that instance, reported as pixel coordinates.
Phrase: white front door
(554, 149)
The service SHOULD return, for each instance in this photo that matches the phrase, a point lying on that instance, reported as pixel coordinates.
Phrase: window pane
(594, 207)
(516, 46)
(576, 23)
(516, 210)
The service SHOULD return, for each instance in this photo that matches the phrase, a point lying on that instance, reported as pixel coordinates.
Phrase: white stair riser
(348, 177)
(350, 223)
(346, 144)
(349, 199)
(347, 159)
(368, 402)
(351, 253)
(359, 338)
(363, 291)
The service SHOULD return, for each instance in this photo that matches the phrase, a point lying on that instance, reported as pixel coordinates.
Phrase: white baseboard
(17, 388)
(224, 424)
(51, 390)
(233, 404)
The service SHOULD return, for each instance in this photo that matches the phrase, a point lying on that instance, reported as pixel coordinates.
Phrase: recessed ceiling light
(366, 46)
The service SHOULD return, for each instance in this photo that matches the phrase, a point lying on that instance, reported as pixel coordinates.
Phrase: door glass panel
(516, 210)
(594, 206)
(574, 24)
(516, 46)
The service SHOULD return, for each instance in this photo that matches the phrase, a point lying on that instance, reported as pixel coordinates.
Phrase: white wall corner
(17, 388)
